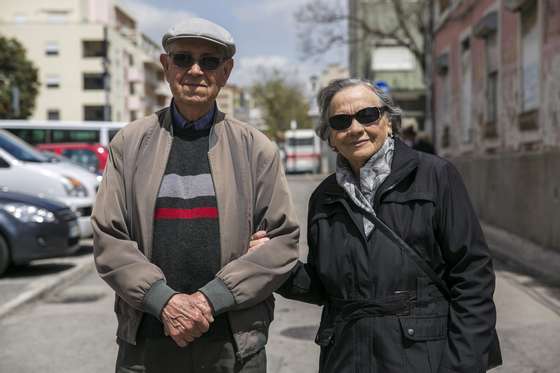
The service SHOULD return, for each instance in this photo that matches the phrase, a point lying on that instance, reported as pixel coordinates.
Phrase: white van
(303, 151)
(24, 169)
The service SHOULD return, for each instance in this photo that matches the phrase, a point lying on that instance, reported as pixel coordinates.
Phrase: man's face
(194, 86)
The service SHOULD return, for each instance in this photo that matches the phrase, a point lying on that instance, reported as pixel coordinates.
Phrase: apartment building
(93, 61)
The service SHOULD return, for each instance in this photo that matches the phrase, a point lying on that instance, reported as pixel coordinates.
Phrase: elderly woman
(396, 253)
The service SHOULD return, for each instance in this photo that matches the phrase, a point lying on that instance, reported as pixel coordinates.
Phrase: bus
(303, 151)
(52, 131)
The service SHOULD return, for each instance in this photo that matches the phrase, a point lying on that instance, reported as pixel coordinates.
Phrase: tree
(281, 102)
(324, 24)
(410, 24)
(18, 77)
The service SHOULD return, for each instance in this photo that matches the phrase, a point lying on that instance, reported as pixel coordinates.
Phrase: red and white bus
(303, 151)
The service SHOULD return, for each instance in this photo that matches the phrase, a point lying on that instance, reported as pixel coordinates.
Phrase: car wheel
(4, 255)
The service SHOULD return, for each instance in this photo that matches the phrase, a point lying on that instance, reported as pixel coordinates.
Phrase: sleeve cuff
(156, 298)
(219, 296)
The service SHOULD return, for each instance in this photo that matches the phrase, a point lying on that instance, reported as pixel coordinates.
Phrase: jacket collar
(165, 119)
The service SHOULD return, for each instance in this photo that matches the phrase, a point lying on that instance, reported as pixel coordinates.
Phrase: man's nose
(195, 69)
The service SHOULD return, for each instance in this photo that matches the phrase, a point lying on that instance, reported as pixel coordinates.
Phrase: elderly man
(182, 193)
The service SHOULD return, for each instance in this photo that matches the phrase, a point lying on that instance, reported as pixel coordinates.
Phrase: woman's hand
(258, 239)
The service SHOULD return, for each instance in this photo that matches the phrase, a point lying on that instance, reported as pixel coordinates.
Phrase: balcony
(133, 103)
(134, 75)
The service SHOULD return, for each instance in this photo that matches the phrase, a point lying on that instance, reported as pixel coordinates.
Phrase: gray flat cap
(200, 28)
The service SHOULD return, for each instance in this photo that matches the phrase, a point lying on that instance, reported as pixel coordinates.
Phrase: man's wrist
(219, 297)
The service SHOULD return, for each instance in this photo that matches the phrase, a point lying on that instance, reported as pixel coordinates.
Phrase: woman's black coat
(381, 312)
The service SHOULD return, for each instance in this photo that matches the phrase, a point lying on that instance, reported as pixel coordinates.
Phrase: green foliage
(16, 71)
(280, 101)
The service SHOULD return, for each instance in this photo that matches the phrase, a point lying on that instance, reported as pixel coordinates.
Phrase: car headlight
(73, 187)
(28, 213)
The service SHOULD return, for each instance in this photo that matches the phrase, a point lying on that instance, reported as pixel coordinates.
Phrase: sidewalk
(30, 284)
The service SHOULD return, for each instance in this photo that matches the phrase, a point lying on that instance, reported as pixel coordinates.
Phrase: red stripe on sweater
(196, 213)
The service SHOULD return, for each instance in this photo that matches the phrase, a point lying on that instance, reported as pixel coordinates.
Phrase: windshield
(19, 149)
(294, 141)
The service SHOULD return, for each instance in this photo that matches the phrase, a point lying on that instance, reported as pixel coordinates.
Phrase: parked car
(91, 156)
(67, 162)
(35, 228)
(24, 169)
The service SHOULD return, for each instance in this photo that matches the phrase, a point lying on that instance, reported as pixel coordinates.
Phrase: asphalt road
(72, 330)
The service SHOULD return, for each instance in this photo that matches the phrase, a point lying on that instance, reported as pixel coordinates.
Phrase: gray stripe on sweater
(186, 187)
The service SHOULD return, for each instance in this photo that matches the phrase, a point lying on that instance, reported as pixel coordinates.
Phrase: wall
(519, 193)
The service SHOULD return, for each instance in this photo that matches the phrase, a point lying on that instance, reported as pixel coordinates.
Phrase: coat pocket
(424, 339)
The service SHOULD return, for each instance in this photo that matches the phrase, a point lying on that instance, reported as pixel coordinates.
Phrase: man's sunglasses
(367, 116)
(186, 60)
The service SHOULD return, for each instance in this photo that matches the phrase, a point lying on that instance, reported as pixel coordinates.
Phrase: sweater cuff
(157, 297)
(219, 296)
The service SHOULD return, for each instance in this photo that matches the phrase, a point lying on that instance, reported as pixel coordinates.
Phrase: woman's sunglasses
(186, 60)
(367, 116)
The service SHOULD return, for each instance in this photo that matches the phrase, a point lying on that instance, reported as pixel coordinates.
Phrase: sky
(265, 33)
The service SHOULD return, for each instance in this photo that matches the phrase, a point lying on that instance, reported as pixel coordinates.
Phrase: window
(443, 98)
(529, 58)
(131, 89)
(93, 48)
(53, 81)
(392, 59)
(491, 85)
(53, 114)
(83, 157)
(93, 81)
(52, 48)
(94, 113)
(133, 115)
(466, 92)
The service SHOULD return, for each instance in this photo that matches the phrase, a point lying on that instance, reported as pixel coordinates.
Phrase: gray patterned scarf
(372, 174)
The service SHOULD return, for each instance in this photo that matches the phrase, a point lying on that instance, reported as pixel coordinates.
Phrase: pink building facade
(497, 109)
(497, 76)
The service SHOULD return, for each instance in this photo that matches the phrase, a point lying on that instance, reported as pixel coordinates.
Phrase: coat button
(410, 332)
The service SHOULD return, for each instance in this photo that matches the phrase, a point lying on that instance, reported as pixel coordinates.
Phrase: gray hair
(326, 95)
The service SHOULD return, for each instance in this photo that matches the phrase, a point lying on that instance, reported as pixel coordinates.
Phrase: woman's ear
(333, 148)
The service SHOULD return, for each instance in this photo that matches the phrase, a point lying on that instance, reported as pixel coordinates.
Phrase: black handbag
(494, 354)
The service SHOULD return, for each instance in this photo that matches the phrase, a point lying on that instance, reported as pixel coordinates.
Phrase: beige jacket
(251, 193)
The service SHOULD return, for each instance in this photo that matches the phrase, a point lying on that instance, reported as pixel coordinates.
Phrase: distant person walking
(417, 141)
(182, 192)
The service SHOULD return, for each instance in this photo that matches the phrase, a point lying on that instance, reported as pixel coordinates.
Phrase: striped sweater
(186, 243)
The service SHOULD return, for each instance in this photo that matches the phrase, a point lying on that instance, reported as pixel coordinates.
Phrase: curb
(537, 261)
(41, 286)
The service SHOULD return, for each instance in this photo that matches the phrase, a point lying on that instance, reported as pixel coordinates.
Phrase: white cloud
(281, 10)
(249, 69)
(154, 20)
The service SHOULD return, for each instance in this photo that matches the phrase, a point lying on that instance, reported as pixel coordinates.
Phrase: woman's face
(358, 142)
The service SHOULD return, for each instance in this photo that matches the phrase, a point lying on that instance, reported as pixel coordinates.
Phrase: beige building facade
(94, 63)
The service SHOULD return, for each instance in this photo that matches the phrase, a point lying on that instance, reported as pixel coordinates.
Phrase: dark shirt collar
(202, 123)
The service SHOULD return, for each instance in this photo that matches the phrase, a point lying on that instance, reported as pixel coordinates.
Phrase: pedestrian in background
(182, 192)
(396, 253)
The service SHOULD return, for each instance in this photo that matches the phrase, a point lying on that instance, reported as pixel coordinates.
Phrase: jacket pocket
(424, 328)
(424, 340)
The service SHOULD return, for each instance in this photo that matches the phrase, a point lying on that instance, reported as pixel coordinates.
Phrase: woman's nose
(355, 127)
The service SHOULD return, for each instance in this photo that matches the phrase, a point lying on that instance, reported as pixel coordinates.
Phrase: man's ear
(164, 62)
(228, 67)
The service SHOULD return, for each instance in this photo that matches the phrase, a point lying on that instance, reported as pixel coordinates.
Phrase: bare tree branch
(324, 25)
